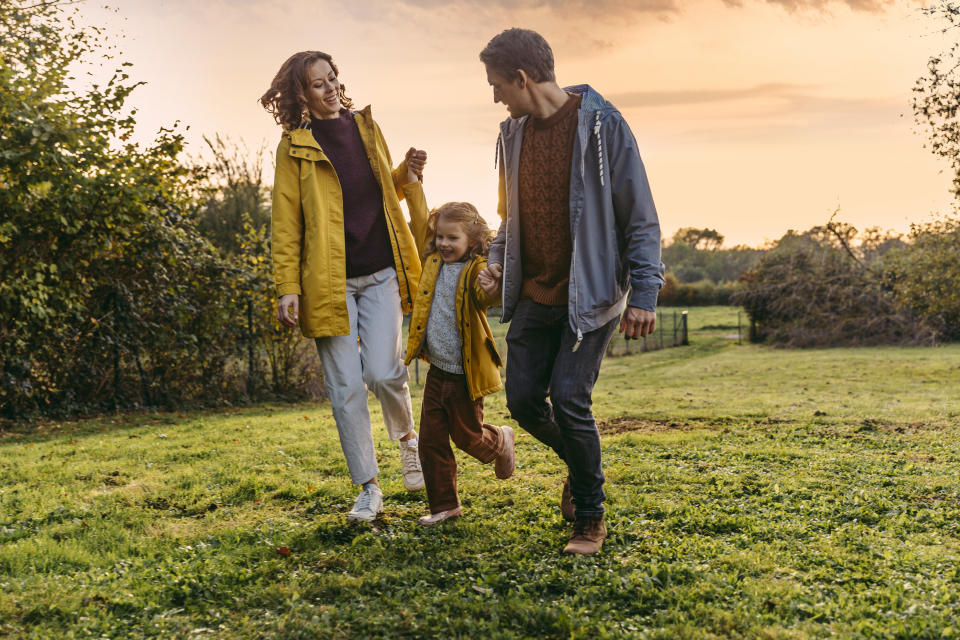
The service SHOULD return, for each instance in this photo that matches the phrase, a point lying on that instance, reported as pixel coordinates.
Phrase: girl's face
(323, 90)
(451, 240)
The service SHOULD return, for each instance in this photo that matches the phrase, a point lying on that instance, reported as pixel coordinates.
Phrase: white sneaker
(369, 503)
(410, 465)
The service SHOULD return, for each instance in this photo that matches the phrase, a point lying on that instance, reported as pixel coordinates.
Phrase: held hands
(637, 323)
(490, 279)
(288, 309)
(416, 159)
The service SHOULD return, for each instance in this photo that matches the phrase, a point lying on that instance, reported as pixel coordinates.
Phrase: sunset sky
(752, 116)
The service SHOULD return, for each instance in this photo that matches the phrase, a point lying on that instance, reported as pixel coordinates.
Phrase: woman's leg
(379, 322)
(343, 378)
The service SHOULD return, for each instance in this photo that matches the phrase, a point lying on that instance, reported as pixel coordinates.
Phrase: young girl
(449, 329)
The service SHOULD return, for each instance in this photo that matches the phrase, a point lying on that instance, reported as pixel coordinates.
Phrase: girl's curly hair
(478, 233)
(285, 100)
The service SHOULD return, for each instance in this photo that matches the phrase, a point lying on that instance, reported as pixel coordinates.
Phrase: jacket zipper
(462, 286)
(396, 241)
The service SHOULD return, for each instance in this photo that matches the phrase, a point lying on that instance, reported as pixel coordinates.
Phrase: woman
(345, 261)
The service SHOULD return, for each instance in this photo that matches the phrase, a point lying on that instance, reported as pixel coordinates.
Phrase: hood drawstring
(596, 132)
(496, 154)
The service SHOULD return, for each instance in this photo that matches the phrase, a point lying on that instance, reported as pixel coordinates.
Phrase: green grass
(752, 493)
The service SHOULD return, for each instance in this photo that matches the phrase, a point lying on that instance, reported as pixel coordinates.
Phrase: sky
(752, 116)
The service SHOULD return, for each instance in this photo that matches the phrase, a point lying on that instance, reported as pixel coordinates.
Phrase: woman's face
(323, 90)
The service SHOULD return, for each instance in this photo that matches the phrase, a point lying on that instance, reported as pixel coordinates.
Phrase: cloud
(700, 96)
(592, 8)
(869, 6)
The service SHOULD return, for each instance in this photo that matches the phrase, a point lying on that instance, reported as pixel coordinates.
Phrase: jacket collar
(302, 136)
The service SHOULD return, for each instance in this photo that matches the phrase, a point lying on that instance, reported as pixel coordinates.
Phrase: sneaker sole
(351, 518)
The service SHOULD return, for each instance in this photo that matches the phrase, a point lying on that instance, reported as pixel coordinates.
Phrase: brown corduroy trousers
(449, 413)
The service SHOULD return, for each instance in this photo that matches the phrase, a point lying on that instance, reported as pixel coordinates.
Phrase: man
(578, 245)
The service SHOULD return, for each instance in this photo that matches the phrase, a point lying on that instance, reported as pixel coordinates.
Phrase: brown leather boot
(566, 502)
(588, 536)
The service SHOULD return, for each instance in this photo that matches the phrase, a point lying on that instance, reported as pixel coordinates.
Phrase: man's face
(514, 98)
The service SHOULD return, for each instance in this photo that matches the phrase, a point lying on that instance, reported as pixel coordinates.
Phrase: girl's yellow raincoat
(481, 362)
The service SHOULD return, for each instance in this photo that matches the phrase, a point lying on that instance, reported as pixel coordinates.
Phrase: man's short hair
(520, 49)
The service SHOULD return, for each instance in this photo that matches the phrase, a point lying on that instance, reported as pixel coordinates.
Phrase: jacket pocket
(497, 360)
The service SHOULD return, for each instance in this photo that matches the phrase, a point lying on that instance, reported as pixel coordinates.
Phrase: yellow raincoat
(309, 254)
(481, 361)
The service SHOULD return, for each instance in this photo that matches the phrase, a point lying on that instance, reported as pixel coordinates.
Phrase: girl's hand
(489, 283)
(288, 309)
(416, 160)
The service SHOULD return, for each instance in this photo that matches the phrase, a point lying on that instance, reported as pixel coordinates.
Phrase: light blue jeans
(369, 358)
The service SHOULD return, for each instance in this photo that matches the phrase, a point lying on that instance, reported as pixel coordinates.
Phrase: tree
(109, 297)
(937, 93)
(700, 239)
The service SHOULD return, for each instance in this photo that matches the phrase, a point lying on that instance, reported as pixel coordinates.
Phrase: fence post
(416, 369)
(739, 338)
(683, 319)
(116, 355)
(250, 358)
(660, 326)
(674, 328)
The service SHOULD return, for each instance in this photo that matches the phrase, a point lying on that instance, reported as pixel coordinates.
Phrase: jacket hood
(592, 100)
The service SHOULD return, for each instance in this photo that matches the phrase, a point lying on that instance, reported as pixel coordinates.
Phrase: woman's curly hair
(478, 233)
(286, 98)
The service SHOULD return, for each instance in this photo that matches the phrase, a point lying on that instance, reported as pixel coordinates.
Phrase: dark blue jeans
(540, 363)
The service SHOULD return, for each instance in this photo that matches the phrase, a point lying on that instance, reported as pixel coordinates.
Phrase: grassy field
(752, 493)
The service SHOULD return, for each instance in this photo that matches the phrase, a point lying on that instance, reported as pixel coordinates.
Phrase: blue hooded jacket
(613, 221)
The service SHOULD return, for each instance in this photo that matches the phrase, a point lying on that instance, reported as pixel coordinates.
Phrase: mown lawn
(752, 493)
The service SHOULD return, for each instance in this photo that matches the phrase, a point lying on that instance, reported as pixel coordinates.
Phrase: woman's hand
(416, 161)
(288, 309)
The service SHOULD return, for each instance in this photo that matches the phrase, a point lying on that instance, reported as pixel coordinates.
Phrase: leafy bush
(925, 275)
(695, 294)
(110, 296)
(821, 288)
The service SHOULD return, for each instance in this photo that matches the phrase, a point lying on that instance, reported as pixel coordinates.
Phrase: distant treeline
(699, 271)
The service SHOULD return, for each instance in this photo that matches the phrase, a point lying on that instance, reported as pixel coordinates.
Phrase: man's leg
(533, 341)
(571, 391)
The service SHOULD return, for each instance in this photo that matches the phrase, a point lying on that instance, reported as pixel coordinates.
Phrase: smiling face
(451, 240)
(510, 93)
(323, 90)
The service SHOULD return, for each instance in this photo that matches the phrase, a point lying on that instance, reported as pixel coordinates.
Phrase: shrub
(818, 289)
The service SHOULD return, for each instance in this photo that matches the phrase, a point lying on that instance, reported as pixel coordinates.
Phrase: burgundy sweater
(364, 223)
(544, 197)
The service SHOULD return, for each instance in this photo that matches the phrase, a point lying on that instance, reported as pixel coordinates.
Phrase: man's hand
(288, 309)
(416, 161)
(637, 323)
